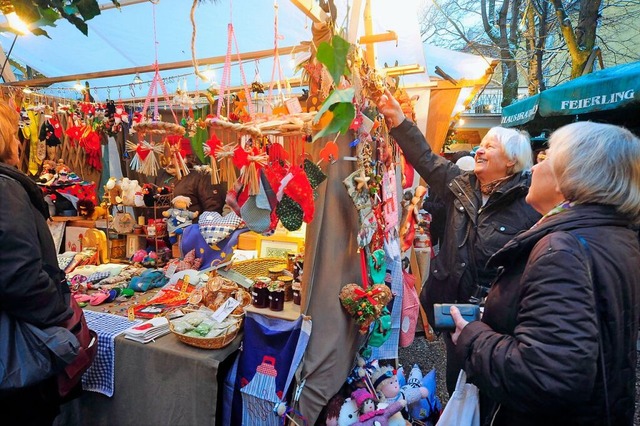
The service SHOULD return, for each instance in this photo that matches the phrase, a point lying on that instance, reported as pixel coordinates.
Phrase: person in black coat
(557, 341)
(485, 208)
(31, 284)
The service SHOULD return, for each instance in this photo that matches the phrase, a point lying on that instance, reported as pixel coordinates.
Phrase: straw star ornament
(362, 180)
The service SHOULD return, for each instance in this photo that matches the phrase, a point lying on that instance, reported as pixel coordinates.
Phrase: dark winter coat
(30, 280)
(472, 232)
(536, 351)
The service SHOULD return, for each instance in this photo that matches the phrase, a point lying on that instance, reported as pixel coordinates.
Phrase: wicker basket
(218, 342)
(259, 267)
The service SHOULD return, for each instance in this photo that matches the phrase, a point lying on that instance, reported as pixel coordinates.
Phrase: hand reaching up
(390, 108)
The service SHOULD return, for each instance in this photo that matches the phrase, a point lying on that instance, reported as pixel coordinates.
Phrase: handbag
(24, 358)
(463, 408)
(72, 373)
(29, 355)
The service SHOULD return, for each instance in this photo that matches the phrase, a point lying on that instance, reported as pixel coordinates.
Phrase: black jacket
(472, 232)
(536, 350)
(31, 287)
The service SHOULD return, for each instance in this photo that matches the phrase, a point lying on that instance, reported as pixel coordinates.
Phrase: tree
(581, 39)
(505, 34)
(534, 48)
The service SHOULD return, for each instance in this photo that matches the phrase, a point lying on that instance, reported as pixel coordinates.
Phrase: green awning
(520, 112)
(607, 89)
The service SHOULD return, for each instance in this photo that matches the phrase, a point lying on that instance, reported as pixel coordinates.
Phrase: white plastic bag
(463, 409)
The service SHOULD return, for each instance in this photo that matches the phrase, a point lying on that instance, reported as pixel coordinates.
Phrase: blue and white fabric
(389, 349)
(100, 376)
(214, 227)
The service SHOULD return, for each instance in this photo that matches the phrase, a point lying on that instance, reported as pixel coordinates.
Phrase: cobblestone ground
(430, 355)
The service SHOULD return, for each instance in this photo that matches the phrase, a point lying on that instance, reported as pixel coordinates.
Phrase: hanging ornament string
(157, 81)
(225, 85)
(276, 59)
(194, 59)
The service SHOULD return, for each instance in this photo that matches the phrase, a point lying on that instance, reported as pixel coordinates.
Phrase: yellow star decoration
(362, 180)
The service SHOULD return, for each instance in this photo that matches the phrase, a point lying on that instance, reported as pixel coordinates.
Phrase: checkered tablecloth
(100, 376)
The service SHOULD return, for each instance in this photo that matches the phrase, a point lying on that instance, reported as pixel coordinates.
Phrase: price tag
(223, 311)
(185, 283)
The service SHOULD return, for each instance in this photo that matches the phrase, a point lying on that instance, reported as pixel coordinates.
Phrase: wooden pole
(248, 56)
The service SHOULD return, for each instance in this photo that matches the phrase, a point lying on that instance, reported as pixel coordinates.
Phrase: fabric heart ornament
(256, 211)
(365, 306)
(214, 227)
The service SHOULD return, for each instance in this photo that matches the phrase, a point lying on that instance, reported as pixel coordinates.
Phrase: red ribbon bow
(368, 294)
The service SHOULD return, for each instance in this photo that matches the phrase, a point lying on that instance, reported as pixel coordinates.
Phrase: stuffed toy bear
(129, 190)
(113, 190)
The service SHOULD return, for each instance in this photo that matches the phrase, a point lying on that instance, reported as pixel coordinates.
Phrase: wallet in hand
(443, 319)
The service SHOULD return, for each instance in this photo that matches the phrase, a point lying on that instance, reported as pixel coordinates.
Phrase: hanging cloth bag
(410, 310)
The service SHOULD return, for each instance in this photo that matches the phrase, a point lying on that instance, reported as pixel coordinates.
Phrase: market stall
(312, 238)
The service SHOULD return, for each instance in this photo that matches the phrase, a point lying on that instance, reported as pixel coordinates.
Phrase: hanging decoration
(145, 160)
(145, 157)
(210, 147)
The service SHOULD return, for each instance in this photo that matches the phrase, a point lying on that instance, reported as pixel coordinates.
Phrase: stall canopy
(462, 75)
(611, 95)
(123, 44)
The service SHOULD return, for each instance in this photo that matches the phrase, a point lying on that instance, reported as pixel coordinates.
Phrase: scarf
(489, 188)
(562, 207)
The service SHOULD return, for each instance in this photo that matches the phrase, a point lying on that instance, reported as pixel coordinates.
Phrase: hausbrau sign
(522, 116)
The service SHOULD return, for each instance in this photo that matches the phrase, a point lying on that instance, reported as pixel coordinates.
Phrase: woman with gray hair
(557, 341)
(485, 208)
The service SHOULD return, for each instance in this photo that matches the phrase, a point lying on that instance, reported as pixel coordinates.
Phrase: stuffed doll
(387, 386)
(426, 409)
(334, 407)
(178, 217)
(370, 414)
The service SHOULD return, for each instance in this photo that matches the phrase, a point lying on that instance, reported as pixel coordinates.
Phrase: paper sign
(223, 311)
(171, 269)
(367, 124)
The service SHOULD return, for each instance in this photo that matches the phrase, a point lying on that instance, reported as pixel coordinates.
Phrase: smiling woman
(484, 209)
